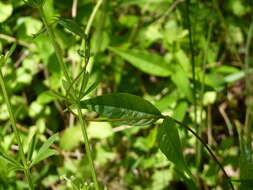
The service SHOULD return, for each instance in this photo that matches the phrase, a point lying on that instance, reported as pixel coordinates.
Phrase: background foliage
(139, 47)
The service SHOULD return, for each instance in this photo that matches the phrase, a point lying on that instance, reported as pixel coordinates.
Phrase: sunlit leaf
(123, 106)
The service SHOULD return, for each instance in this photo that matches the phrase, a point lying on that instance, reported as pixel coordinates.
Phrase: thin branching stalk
(16, 132)
(65, 71)
(91, 19)
(249, 113)
(194, 91)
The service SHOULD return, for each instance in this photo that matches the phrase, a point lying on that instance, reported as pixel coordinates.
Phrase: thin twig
(20, 42)
(74, 8)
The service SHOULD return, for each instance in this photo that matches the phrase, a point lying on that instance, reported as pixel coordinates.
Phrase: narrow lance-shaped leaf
(10, 160)
(72, 26)
(147, 62)
(44, 150)
(170, 145)
(123, 106)
(246, 165)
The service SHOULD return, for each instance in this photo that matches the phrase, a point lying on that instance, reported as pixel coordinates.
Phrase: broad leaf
(44, 150)
(123, 106)
(170, 145)
(147, 62)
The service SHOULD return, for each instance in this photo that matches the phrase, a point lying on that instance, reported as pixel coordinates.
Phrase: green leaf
(67, 142)
(10, 52)
(32, 146)
(170, 145)
(181, 80)
(99, 130)
(90, 89)
(44, 155)
(44, 150)
(53, 94)
(72, 26)
(147, 62)
(246, 165)
(123, 106)
(10, 160)
(5, 11)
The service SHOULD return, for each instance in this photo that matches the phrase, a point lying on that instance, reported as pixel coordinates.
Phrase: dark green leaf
(72, 26)
(90, 89)
(32, 146)
(123, 106)
(170, 145)
(10, 160)
(10, 52)
(246, 165)
(147, 62)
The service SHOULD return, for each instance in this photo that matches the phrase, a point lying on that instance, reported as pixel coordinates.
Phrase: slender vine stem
(70, 83)
(190, 36)
(16, 132)
(249, 112)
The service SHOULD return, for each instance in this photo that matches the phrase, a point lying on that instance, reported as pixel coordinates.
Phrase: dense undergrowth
(126, 94)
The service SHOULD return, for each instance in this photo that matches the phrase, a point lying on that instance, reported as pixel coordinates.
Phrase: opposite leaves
(124, 108)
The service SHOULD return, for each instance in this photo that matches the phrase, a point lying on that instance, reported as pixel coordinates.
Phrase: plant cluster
(134, 94)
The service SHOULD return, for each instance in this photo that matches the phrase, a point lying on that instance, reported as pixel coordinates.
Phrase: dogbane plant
(120, 108)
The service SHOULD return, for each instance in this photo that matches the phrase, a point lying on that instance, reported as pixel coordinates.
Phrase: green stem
(92, 16)
(88, 148)
(65, 71)
(189, 26)
(57, 48)
(16, 133)
(249, 113)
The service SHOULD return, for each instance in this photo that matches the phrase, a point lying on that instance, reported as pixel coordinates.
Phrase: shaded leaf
(181, 80)
(147, 62)
(246, 165)
(170, 145)
(123, 106)
(72, 26)
(10, 52)
(10, 160)
(90, 89)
